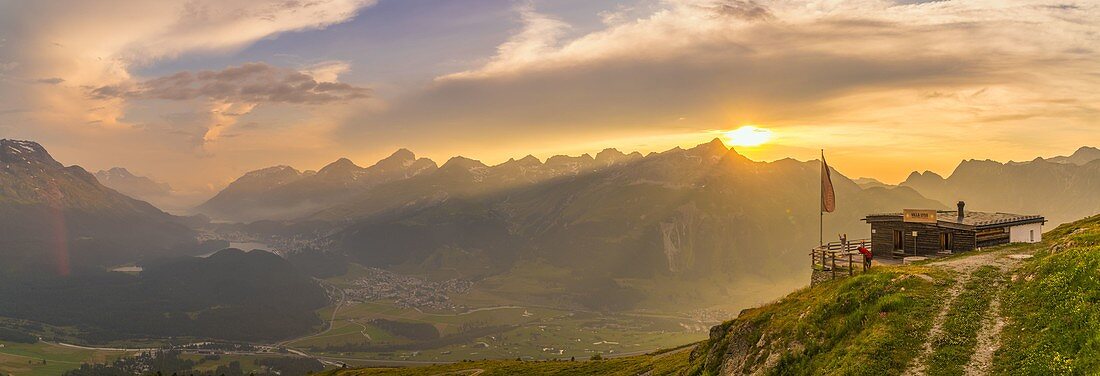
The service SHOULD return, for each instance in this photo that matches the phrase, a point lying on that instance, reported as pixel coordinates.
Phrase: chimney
(961, 205)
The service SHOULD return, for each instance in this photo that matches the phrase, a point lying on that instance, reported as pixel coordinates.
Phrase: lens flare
(748, 136)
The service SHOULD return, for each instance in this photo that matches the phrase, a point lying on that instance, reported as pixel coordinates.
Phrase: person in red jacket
(867, 256)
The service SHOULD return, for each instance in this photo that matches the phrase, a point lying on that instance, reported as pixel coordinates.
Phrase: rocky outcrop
(678, 237)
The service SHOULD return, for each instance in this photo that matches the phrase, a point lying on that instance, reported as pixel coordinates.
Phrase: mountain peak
(400, 159)
(20, 151)
(120, 172)
(922, 180)
(715, 147)
(270, 171)
(1086, 149)
(611, 156)
(463, 163)
(403, 155)
(565, 159)
(1082, 156)
(340, 165)
(529, 160)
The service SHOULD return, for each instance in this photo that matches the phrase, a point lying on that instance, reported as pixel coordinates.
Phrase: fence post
(833, 259)
(851, 270)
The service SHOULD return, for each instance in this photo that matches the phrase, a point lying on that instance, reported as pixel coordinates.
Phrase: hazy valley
(408, 262)
(549, 187)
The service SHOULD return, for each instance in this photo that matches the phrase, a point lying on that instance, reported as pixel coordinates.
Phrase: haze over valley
(549, 187)
(629, 251)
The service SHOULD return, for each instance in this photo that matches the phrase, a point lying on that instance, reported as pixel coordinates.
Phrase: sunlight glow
(748, 136)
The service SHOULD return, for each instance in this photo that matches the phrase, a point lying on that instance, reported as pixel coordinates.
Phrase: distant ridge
(120, 179)
(1082, 156)
(63, 217)
(282, 192)
(1063, 189)
(673, 214)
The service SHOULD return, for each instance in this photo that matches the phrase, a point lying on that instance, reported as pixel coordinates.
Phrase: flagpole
(820, 208)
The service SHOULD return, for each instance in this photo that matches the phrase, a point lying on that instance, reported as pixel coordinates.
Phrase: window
(1032, 236)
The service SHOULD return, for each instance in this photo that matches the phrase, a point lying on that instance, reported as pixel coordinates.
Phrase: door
(898, 244)
(946, 241)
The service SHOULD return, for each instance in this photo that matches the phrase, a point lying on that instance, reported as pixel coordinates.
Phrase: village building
(916, 232)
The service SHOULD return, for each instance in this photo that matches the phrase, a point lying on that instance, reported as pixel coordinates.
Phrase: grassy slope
(1053, 307)
(869, 324)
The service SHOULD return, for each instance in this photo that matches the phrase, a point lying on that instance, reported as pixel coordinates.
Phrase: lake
(244, 246)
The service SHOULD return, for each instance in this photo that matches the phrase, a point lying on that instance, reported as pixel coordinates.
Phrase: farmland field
(489, 324)
(27, 359)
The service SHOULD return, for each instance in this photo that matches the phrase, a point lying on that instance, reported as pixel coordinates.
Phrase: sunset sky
(197, 92)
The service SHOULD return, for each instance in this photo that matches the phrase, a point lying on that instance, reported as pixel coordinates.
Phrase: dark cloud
(51, 80)
(748, 10)
(1062, 7)
(13, 111)
(916, 2)
(771, 79)
(250, 82)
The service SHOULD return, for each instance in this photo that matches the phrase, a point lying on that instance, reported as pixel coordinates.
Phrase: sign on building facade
(919, 215)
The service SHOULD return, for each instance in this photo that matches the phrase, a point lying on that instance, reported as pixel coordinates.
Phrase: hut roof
(970, 218)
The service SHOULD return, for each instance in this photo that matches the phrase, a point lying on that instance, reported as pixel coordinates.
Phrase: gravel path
(989, 337)
(919, 364)
(989, 334)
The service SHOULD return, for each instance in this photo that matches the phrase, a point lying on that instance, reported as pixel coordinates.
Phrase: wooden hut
(916, 232)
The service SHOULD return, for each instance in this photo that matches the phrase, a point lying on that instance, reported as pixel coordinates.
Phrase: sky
(194, 93)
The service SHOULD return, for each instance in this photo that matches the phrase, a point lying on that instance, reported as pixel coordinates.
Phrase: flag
(828, 198)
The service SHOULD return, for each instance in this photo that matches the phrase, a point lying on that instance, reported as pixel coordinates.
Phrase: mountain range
(57, 217)
(61, 231)
(1063, 189)
(703, 212)
(139, 187)
(281, 192)
(605, 222)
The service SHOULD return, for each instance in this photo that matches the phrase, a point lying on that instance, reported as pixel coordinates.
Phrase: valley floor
(1021, 309)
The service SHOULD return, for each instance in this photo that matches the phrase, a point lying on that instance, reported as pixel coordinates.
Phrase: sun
(748, 136)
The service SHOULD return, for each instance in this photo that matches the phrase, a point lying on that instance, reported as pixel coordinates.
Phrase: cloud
(539, 36)
(51, 81)
(743, 9)
(99, 43)
(839, 71)
(327, 71)
(251, 82)
(56, 53)
(781, 63)
(233, 92)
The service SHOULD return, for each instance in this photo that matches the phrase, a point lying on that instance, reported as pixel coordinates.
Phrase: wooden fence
(837, 257)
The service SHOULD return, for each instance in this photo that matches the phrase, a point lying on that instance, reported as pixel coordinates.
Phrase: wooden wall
(927, 241)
